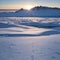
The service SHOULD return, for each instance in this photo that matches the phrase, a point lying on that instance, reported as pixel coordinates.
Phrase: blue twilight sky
(17, 4)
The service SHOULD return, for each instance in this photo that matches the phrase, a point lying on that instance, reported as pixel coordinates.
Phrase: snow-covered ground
(29, 38)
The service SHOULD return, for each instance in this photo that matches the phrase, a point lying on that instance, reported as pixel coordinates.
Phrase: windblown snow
(29, 38)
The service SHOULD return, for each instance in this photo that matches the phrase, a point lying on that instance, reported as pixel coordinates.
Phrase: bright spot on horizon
(28, 7)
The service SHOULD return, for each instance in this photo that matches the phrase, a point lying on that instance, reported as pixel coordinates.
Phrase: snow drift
(29, 26)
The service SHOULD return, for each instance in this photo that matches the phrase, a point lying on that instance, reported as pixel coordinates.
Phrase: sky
(17, 4)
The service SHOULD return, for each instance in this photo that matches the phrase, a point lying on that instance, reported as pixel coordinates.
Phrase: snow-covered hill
(38, 11)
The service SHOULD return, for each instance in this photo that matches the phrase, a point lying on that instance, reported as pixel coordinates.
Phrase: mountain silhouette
(38, 11)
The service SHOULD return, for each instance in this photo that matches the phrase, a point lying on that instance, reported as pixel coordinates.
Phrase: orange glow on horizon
(28, 7)
(18, 6)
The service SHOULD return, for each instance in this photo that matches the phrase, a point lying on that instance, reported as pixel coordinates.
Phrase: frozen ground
(28, 38)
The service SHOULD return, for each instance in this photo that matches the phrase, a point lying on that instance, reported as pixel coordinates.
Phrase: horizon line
(24, 8)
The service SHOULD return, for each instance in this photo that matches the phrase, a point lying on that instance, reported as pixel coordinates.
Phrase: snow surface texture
(29, 38)
(29, 26)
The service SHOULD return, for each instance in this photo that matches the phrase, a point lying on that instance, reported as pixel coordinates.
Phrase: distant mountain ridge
(38, 11)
